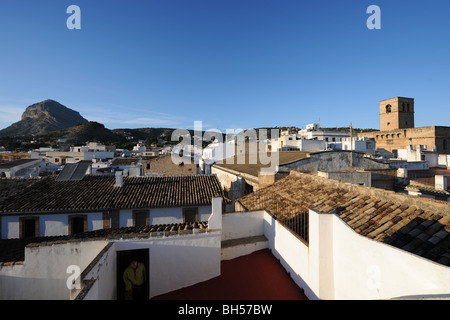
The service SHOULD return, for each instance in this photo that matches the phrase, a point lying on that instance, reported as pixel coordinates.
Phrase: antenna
(351, 145)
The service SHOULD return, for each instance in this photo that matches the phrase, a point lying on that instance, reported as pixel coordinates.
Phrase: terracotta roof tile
(100, 192)
(417, 225)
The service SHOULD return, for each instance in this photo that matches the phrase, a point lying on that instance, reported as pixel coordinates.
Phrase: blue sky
(228, 63)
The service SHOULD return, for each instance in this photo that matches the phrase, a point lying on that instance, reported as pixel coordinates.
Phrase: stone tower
(396, 113)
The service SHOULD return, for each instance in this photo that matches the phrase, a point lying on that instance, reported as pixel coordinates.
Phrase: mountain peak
(43, 117)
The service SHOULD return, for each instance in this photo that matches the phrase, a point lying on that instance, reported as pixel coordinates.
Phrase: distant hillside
(144, 133)
(149, 134)
(86, 132)
(44, 117)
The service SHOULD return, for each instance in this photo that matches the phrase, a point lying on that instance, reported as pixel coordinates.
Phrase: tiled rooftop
(100, 192)
(417, 225)
(419, 186)
(12, 251)
(12, 164)
(12, 186)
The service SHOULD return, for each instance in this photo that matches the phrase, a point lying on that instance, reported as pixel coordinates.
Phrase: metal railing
(291, 215)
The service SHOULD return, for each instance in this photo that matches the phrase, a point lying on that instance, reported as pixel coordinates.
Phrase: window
(77, 224)
(190, 214)
(115, 219)
(111, 219)
(141, 217)
(29, 227)
(444, 144)
(388, 108)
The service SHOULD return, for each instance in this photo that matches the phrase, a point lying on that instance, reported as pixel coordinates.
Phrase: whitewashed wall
(292, 253)
(57, 224)
(45, 274)
(175, 215)
(175, 262)
(179, 261)
(339, 263)
(242, 224)
(10, 227)
(53, 225)
(367, 269)
(49, 224)
(104, 274)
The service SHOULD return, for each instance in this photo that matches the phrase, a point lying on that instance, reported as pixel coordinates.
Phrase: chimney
(119, 179)
(440, 182)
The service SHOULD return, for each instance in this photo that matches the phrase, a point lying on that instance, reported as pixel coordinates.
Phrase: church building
(397, 129)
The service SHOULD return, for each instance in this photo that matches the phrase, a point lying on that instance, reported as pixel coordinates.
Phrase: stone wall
(165, 165)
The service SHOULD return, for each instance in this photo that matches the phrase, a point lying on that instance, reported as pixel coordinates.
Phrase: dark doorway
(77, 225)
(123, 261)
(29, 228)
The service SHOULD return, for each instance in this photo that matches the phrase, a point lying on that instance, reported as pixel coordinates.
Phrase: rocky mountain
(44, 117)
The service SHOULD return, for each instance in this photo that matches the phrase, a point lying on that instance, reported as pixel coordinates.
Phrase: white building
(316, 139)
(216, 152)
(73, 203)
(90, 266)
(21, 168)
(420, 153)
(142, 150)
(91, 151)
(358, 144)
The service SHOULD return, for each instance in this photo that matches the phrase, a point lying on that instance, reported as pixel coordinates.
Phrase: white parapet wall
(178, 261)
(47, 267)
(242, 224)
(339, 264)
(369, 269)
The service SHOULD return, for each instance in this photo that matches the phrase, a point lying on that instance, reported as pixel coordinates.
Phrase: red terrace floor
(258, 276)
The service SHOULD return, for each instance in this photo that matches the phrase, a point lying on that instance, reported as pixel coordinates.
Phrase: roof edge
(423, 203)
